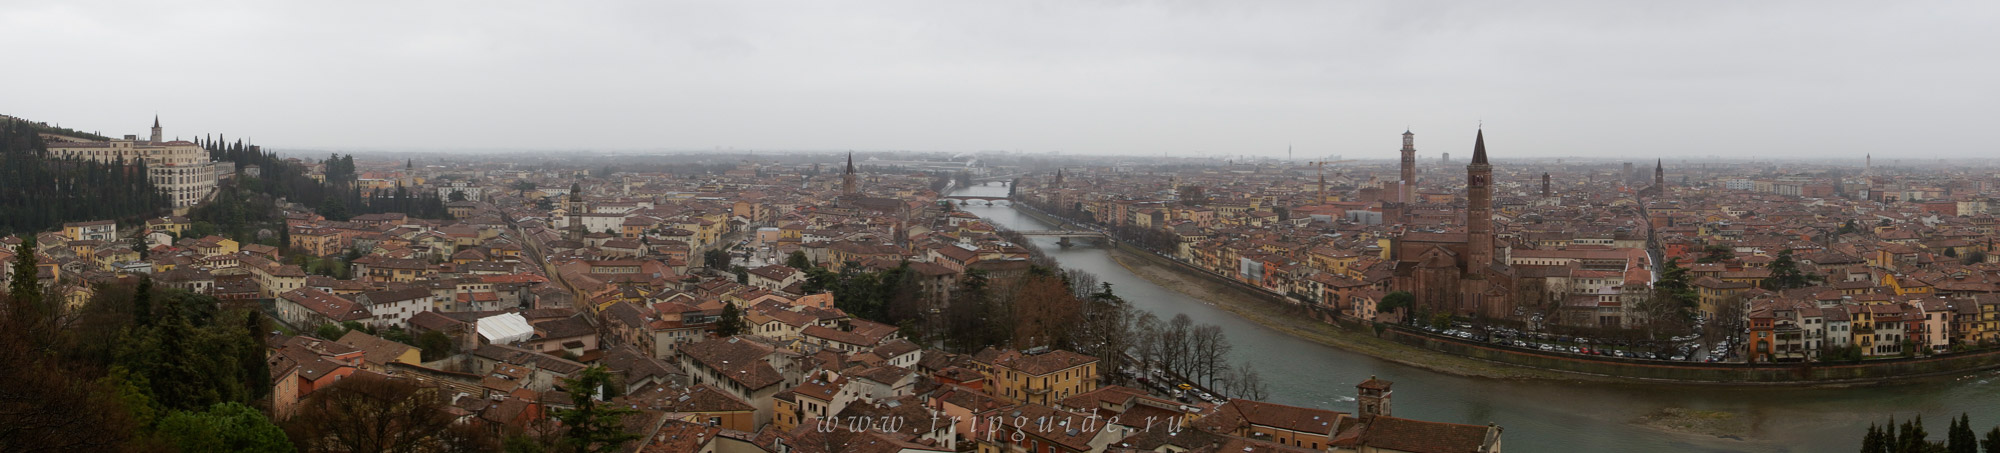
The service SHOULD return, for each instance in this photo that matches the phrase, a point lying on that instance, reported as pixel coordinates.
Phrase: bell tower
(847, 179)
(1660, 174)
(157, 136)
(1478, 211)
(1409, 186)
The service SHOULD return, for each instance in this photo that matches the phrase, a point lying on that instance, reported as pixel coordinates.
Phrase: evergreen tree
(1913, 438)
(230, 427)
(25, 286)
(798, 260)
(1872, 442)
(1961, 439)
(1991, 444)
(593, 427)
(1716, 253)
(1785, 274)
(333, 209)
(142, 303)
(38, 193)
(731, 322)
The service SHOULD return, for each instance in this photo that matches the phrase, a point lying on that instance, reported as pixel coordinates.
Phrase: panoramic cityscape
(1009, 228)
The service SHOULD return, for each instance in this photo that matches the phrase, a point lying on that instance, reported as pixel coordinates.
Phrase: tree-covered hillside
(40, 194)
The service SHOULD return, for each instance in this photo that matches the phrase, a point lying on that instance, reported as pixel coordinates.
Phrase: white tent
(507, 329)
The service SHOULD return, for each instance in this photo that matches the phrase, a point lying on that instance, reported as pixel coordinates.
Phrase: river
(1543, 416)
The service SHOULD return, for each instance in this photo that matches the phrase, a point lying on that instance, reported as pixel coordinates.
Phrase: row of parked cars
(1179, 390)
(1546, 342)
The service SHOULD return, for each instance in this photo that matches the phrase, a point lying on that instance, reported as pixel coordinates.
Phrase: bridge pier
(1064, 242)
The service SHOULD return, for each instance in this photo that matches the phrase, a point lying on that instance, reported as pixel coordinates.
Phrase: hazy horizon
(1766, 80)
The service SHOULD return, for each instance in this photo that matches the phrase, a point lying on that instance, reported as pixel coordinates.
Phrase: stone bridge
(973, 199)
(1063, 233)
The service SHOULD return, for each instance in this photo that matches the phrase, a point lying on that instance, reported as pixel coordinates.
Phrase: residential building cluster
(1896, 258)
(543, 273)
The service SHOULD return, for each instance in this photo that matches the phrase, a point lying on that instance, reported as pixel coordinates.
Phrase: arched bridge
(1063, 233)
(971, 199)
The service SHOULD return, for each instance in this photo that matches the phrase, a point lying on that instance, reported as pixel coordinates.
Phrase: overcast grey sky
(1729, 78)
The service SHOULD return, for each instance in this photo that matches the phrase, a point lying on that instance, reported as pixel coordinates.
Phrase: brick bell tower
(1409, 192)
(1478, 211)
(1478, 231)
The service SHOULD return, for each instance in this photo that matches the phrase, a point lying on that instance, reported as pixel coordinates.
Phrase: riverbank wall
(1248, 290)
(1872, 371)
(1730, 373)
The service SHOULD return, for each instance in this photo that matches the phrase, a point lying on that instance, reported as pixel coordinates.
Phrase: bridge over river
(1538, 415)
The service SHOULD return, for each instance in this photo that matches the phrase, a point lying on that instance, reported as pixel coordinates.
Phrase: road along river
(1542, 415)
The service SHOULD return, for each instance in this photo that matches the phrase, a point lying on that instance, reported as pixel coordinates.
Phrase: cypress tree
(142, 303)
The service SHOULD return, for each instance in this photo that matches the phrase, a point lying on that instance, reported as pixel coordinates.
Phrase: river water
(1540, 416)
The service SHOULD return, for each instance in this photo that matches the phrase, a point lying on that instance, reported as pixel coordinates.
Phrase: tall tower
(1478, 211)
(1660, 175)
(575, 209)
(1059, 178)
(1409, 191)
(847, 179)
(1545, 186)
(157, 136)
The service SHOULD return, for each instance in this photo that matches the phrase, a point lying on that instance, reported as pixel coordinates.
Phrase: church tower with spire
(1660, 175)
(1545, 186)
(847, 187)
(158, 137)
(1478, 211)
(1408, 193)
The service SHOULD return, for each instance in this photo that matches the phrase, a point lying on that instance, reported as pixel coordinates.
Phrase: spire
(157, 136)
(1479, 148)
(850, 162)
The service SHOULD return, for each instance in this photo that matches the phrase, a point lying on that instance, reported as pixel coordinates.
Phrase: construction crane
(1322, 175)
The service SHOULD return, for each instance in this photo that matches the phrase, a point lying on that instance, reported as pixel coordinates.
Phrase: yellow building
(1038, 378)
(102, 230)
(1905, 286)
(1714, 293)
(171, 224)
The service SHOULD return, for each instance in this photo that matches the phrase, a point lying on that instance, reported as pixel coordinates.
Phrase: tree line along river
(1543, 416)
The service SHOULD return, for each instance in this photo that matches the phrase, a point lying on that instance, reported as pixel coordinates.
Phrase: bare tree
(1103, 328)
(1146, 330)
(369, 413)
(1730, 319)
(1250, 385)
(1176, 348)
(1044, 313)
(1082, 284)
(1210, 352)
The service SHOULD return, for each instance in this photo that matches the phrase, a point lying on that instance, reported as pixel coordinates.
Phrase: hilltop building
(179, 168)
